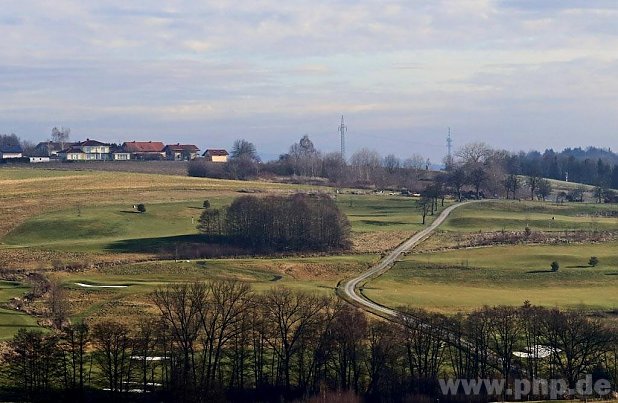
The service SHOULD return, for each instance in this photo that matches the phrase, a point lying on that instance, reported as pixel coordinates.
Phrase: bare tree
(473, 153)
(532, 182)
(60, 135)
(112, 344)
(58, 304)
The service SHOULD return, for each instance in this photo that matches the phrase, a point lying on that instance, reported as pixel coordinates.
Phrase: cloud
(508, 72)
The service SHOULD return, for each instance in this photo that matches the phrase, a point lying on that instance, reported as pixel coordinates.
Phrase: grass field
(314, 274)
(461, 280)
(11, 320)
(81, 216)
(539, 216)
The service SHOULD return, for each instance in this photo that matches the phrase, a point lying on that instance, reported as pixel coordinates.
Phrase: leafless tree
(113, 346)
(473, 153)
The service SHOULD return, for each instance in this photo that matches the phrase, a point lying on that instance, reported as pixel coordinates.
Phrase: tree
(34, 362)
(60, 135)
(74, 341)
(555, 266)
(391, 163)
(243, 149)
(416, 162)
(457, 179)
(593, 261)
(477, 177)
(473, 153)
(599, 193)
(206, 204)
(544, 189)
(365, 164)
(58, 304)
(112, 343)
(304, 158)
(424, 204)
(532, 182)
(141, 208)
(511, 185)
(210, 222)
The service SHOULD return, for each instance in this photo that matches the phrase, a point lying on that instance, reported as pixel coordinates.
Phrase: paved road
(350, 287)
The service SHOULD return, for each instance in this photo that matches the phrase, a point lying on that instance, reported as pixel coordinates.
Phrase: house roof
(16, 149)
(215, 152)
(143, 146)
(72, 150)
(90, 143)
(182, 147)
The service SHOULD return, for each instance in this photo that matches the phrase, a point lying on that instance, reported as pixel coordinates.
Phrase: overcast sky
(518, 74)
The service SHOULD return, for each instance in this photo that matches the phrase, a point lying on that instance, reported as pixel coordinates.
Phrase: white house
(8, 152)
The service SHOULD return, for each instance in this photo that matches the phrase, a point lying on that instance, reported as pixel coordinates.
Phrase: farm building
(180, 152)
(215, 155)
(11, 151)
(145, 150)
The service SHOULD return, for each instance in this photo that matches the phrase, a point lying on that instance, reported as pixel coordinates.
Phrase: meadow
(88, 216)
(462, 279)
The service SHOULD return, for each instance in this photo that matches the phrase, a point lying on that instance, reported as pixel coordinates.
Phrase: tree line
(220, 340)
(279, 223)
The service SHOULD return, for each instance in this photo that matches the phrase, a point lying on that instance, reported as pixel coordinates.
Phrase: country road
(350, 287)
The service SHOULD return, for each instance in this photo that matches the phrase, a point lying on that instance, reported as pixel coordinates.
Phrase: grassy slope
(461, 280)
(95, 212)
(513, 215)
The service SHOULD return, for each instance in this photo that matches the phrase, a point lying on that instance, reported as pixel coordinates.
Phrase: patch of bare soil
(442, 241)
(379, 241)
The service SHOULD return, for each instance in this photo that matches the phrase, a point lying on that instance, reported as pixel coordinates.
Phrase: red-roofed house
(215, 155)
(180, 152)
(145, 150)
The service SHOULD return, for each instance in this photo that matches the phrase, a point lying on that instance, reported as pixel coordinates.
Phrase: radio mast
(342, 130)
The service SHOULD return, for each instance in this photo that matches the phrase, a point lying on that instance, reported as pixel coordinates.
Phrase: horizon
(518, 75)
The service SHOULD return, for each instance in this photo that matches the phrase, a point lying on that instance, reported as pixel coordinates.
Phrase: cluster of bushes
(278, 223)
(220, 340)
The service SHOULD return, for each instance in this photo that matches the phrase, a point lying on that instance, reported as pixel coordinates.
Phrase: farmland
(53, 219)
(87, 217)
(449, 278)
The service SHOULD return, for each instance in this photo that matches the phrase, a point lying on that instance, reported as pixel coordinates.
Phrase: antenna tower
(342, 129)
(449, 143)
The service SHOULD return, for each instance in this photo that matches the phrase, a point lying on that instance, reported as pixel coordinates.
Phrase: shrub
(141, 208)
(593, 261)
(555, 266)
(206, 204)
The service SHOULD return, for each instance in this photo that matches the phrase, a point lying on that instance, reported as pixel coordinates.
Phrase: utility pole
(342, 129)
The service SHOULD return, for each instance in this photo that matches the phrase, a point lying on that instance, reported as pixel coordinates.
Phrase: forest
(220, 341)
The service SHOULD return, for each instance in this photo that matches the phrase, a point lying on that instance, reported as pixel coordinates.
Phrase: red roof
(217, 153)
(143, 146)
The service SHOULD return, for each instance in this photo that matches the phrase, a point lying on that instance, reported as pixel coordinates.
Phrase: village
(93, 150)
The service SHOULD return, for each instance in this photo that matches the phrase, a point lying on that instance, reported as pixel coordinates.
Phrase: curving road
(350, 287)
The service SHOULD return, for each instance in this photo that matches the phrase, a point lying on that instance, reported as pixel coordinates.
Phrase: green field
(461, 280)
(313, 274)
(11, 320)
(98, 228)
(538, 216)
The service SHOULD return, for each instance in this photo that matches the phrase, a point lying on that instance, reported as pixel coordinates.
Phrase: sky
(517, 74)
